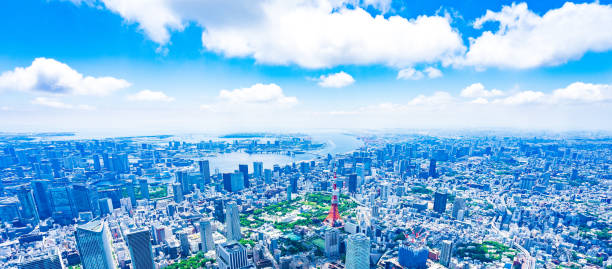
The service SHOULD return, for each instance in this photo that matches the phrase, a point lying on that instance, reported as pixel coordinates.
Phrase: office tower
(206, 235)
(63, 207)
(527, 182)
(96, 162)
(413, 256)
(227, 181)
(357, 252)
(432, 168)
(332, 242)
(45, 260)
(268, 176)
(177, 191)
(106, 206)
(352, 183)
(184, 240)
(257, 170)
(231, 255)
(458, 204)
(244, 169)
(141, 251)
(293, 183)
(445, 255)
(94, 244)
(232, 222)
(204, 172)
(144, 188)
(360, 171)
(28, 206)
(42, 197)
(219, 214)
(131, 192)
(233, 182)
(440, 202)
(84, 198)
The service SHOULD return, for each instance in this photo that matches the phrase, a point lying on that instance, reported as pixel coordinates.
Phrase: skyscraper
(184, 240)
(440, 202)
(177, 190)
(141, 251)
(332, 242)
(231, 255)
(232, 222)
(458, 204)
(206, 235)
(257, 170)
(41, 197)
(268, 176)
(28, 206)
(50, 259)
(357, 252)
(94, 245)
(445, 255)
(106, 206)
(352, 183)
(413, 256)
(204, 171)
(432, 168)
(244, 168)
(144, 188)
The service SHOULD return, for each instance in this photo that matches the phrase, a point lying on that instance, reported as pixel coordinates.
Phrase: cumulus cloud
(410, 73)
(149, 95)
(575, 93)
(438, 98)
(477, 90)
(54, 103)
(337, 80)
(51, 76)
(525, 39)
(270, 94)
(274, 32)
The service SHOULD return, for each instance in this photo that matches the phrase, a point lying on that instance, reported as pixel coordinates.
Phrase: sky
(167, 66)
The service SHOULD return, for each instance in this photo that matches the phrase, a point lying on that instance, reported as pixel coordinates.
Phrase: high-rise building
(185, 246)
(204, 172)
(44, 260)
(432, 168)
(94, 245)
(293, 183)
(458, 204)
(85, 198)
(106, 206)
(131, 192)
(28, 206)
(206, 235)
(231, 255)
(257, 170)
(440, 202)
(357, 252)
(232, 222)
(218, 213)
(332, 242)
(177, 190)
(144, 188)
(244, 168)
(42, 197)
(233, 182)
(352, 183)
(141, 251)
(268, 176)
(445, 254)
(413, 256)
(64, 210)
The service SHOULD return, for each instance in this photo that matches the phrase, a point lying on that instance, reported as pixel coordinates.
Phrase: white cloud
(149, 95)
(54, 103)
(527, 40)
(520, 98)
(583, 92)
(275, 32)
(409, 73)
(480, 100)
(337, 80)
(51, 76)
(269, 94)
(438, 98)
(477, 90)
(433, 72)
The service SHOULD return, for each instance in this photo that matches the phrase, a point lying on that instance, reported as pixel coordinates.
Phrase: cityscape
(299, 134)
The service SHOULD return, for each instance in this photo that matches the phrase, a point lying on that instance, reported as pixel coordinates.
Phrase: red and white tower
(333, 217)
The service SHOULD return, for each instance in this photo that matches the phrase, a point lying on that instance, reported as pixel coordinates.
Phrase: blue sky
(196, 66)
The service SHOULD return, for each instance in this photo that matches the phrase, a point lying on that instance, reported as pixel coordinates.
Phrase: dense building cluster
(399, 201)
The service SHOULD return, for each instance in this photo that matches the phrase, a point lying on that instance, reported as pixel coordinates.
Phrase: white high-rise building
(358, 252)
(94, 244)
(332, 242)
(206, 235)
(445, 255)
(231, 255)
(232, 222)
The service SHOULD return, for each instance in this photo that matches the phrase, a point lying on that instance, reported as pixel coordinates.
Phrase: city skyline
(118, 67)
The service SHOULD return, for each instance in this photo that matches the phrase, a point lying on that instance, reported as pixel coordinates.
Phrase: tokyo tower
(333, 217)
